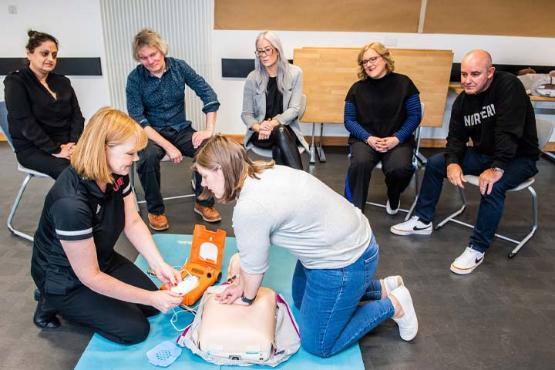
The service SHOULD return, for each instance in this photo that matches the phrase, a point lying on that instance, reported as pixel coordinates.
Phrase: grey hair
(283, 73)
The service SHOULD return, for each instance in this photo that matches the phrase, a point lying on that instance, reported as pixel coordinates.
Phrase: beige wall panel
(330, 72)
(318, 15)
(491, 17)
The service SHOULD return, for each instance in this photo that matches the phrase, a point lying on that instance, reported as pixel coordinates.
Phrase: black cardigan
(35, 118)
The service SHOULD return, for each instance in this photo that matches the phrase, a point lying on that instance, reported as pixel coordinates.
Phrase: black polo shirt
(76, 209)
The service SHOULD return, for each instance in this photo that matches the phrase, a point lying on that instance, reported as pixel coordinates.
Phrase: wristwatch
(497, 169)
(246, 300)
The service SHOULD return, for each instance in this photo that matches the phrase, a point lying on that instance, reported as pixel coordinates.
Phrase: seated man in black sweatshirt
(495, 112)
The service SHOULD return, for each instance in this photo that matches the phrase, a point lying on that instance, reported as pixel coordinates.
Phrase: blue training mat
(104, 354)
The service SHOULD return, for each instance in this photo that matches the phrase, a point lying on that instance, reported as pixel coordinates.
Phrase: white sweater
(294, 210)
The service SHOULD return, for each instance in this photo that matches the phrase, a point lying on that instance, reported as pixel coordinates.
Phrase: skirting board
(342, 141)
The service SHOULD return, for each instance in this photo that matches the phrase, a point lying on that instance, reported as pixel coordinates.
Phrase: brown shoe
(158, 222)
(209, 214)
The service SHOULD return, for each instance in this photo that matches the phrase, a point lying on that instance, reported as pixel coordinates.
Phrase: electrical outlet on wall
(12, 9)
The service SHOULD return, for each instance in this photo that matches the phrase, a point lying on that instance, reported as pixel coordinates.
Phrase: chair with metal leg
(416, 165)
(545, 130)
(30, 174)
(416, 160)
(142, 201)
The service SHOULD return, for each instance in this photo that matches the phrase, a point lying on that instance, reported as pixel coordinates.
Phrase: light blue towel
(104, 354)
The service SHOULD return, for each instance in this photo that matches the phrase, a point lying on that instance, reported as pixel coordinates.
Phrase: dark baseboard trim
(511, 68)
(240, 68)
(65, 66)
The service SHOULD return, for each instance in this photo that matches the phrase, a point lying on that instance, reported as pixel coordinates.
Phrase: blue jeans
(491, 206)
(331, 318)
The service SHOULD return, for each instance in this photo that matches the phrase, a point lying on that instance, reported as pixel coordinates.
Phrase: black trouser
(118, 321)
(41, 161)
(396, 165)
(148, 167)
(283, 143)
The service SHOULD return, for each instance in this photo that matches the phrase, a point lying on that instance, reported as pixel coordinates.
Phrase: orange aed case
(204, 262)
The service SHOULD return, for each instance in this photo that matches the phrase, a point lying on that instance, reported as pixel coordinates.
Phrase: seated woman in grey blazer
(272, 102)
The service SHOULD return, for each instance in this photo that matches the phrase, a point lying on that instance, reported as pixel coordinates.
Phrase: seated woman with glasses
(272, 102)
(43, 113)
(382, 111)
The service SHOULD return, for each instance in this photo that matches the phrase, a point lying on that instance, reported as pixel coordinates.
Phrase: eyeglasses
(266, 51)
(372, 60)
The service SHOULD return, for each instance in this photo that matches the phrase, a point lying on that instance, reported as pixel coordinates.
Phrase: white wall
(240, 44)
(77, 26)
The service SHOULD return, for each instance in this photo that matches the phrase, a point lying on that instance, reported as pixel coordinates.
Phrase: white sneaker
(467, 261)
(392, 211)
(412, 226)
(391, 283)
(408, 323)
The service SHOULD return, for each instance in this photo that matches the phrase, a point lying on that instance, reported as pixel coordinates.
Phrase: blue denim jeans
(491, 206)
(331, 318)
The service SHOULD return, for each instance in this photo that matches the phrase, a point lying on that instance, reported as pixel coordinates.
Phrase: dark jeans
(38, 160)
(331, 316)
(283, 143)
(116, 320)
(396, 165)
(491, 206)
(148, 168)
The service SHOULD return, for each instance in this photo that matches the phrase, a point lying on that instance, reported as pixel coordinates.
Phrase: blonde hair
(148, 37)
(379, 48)
(219, 152)
(107, 127)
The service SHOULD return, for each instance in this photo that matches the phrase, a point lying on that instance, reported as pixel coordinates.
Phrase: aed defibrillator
(203, 268)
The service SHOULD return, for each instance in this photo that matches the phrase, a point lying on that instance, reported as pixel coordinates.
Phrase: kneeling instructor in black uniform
(74, 264)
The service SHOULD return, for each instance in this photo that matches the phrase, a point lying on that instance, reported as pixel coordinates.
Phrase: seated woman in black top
(74, 264)
(272, 101)
(382, 111)
(43, 114)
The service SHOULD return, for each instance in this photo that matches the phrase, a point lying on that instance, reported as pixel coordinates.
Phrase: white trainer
(391, 211)
(408, 323)
(467, 261)
(412, 226)
(391, 283)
